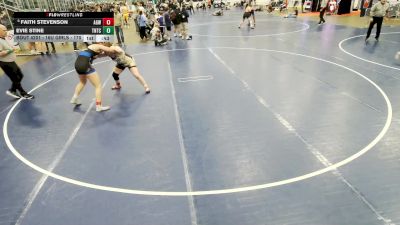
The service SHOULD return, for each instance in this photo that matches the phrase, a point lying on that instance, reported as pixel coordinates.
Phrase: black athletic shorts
(83, 65)
(123, 66)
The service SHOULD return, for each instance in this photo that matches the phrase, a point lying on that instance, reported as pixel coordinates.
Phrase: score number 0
(108, 21)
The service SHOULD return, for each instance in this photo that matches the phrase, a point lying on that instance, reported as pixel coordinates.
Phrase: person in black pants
(52, 45)
(322, 11)
(10, 68)
(378, 11)
(142, 21)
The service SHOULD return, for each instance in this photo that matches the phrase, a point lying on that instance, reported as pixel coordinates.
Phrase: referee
(10, 68)
(378, 11)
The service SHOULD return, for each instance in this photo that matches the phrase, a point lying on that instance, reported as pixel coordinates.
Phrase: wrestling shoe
(100, 108)
(27, 96)
(13, 94)
(147, 90)
(116, 87)
(75, 101)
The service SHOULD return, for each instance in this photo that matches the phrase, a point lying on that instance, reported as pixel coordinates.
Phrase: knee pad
(115, 76)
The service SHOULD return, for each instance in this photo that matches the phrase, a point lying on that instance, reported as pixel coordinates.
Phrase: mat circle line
(208, 192)
(305, 27)
(365, 60)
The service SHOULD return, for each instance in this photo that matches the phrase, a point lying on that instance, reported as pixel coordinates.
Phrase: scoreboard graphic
(63, 26)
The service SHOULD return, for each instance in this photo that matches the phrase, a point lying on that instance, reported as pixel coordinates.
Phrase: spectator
(184, 15)
(378, 11)
(142, 22)
(10, 68)
(52, 46)
(324, 4)
(118, 21)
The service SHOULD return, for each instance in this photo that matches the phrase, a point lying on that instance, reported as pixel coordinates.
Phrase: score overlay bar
(63, 27)
(63, 38)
